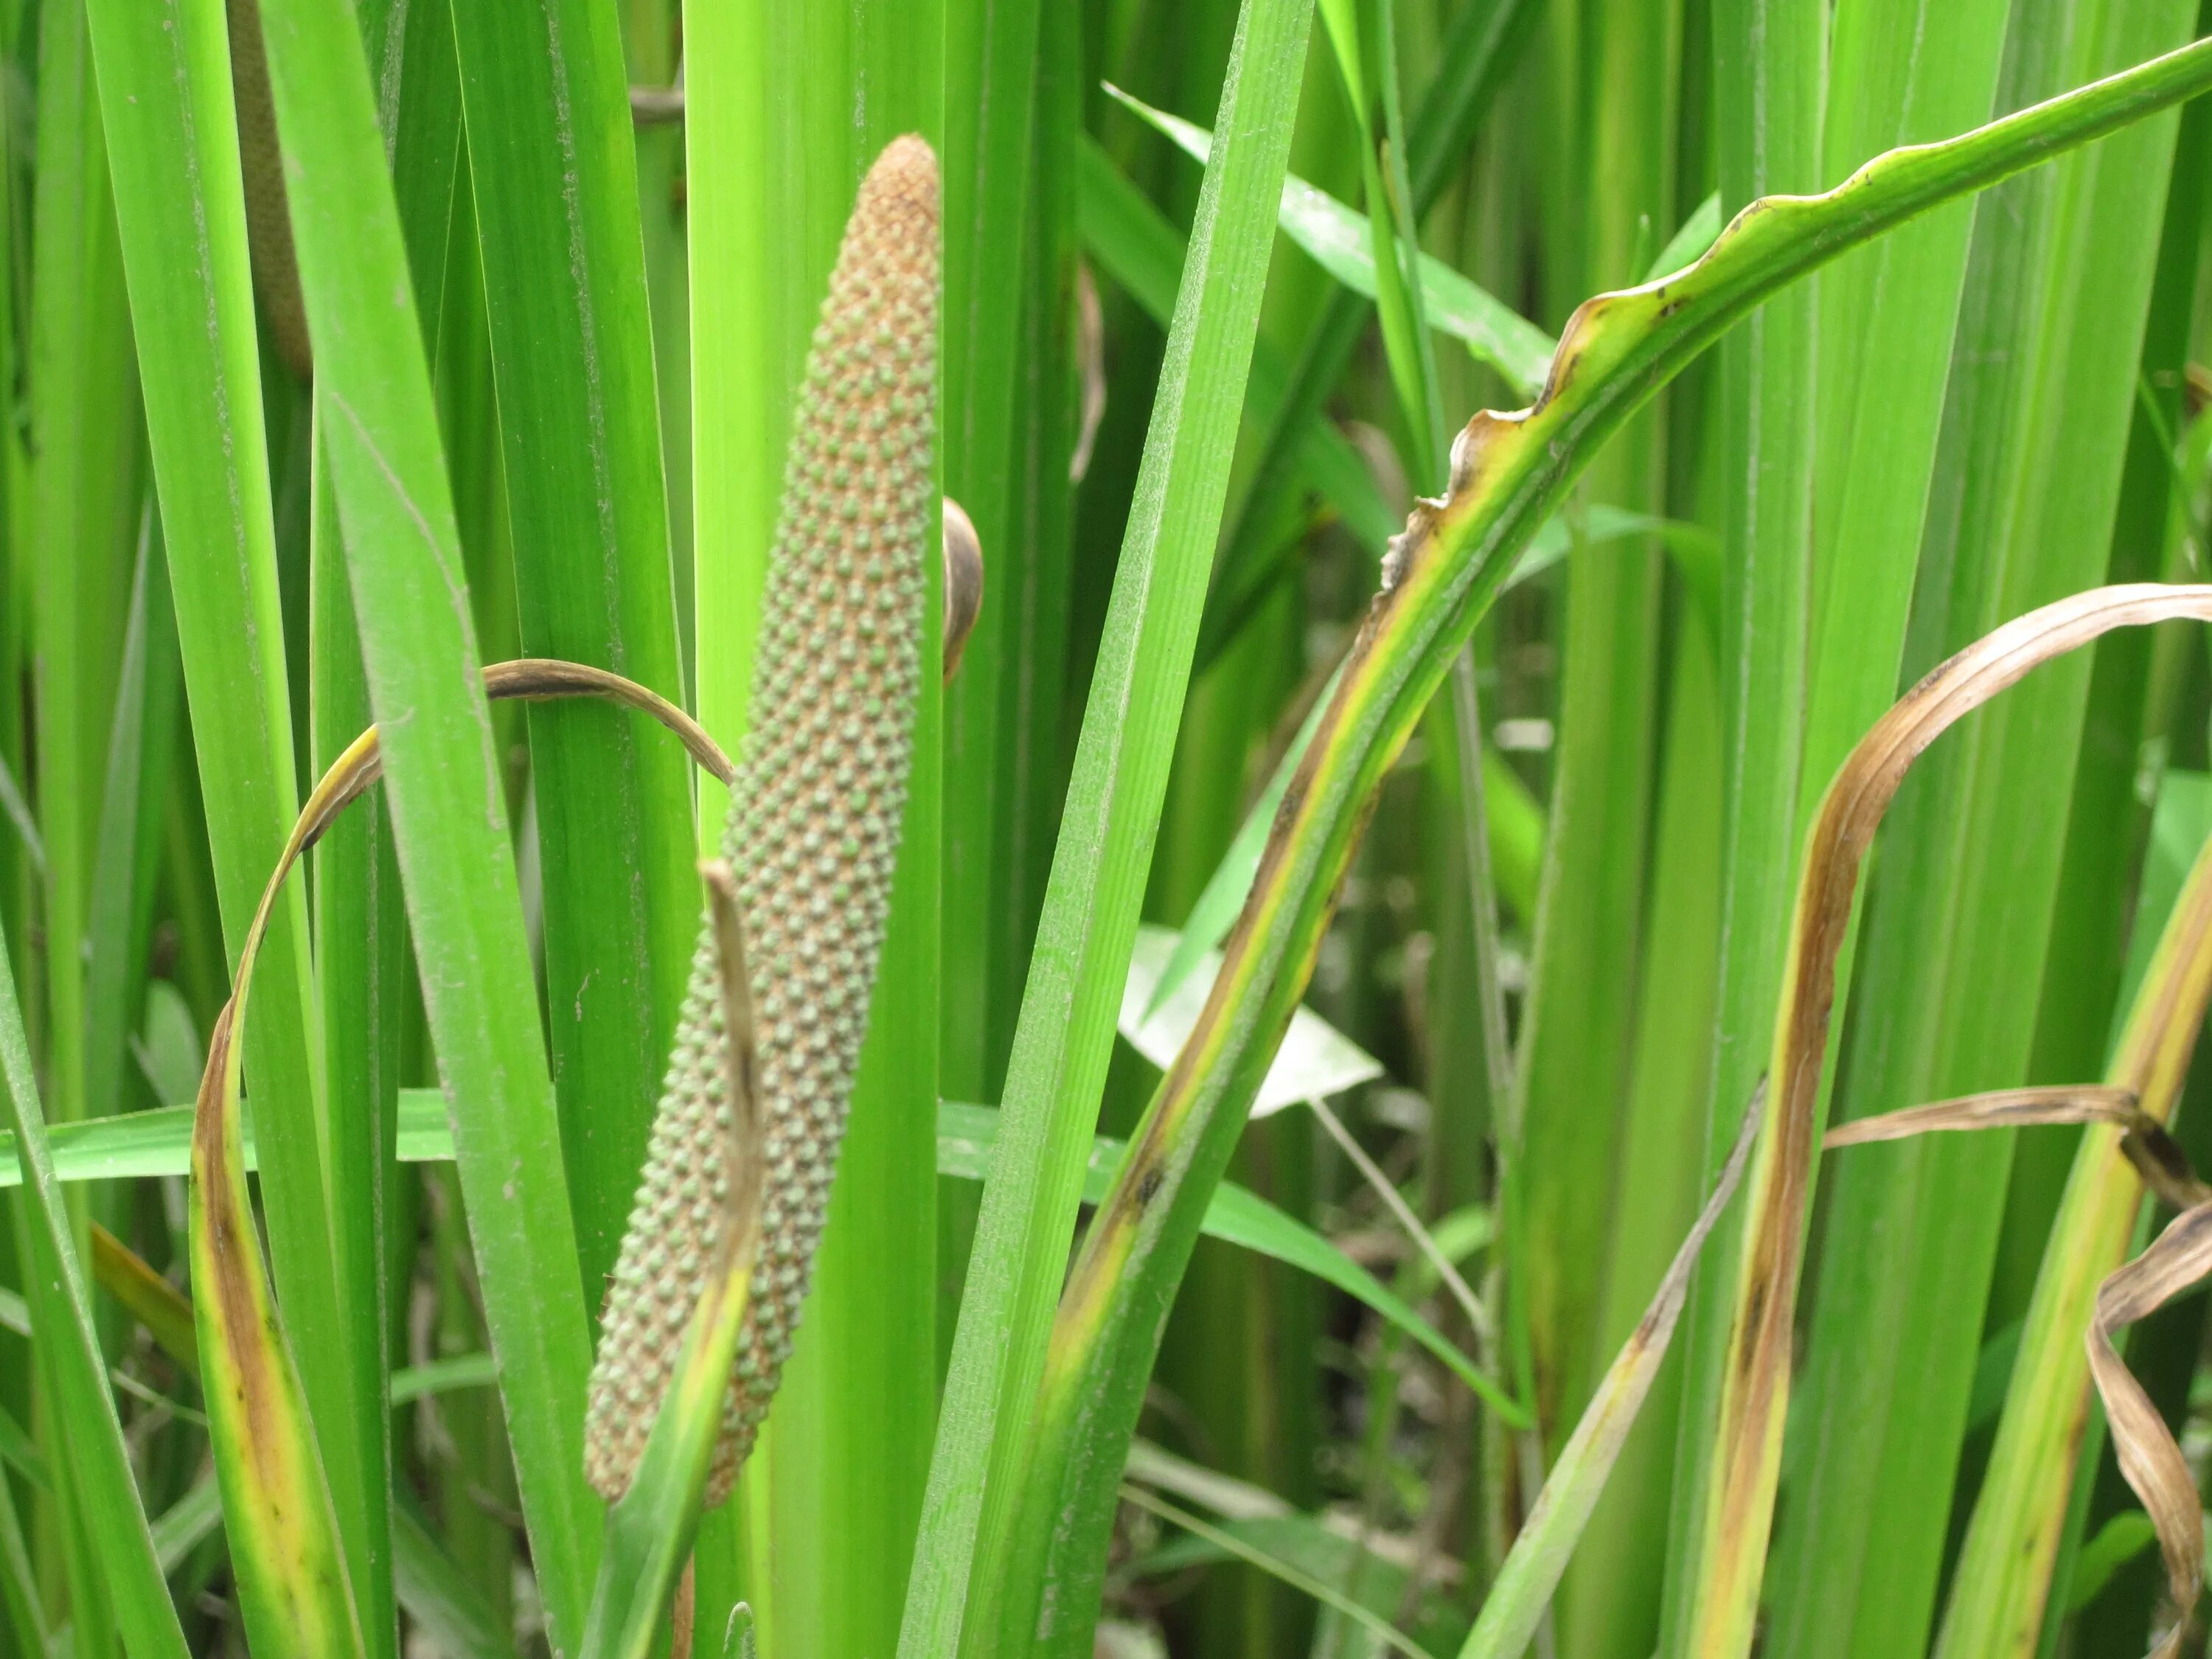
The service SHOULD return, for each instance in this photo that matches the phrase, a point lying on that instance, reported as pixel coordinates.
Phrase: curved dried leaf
(2155, 1153)
(291, 1575)
(2149, 1455)
(1755, 1389)
(1995, 1108)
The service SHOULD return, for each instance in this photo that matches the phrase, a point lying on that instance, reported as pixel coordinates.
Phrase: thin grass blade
(115, 1523)
(1515, 1606)
(2043, 357)
(180, 209)
(1341, 239)
(2006, 1567)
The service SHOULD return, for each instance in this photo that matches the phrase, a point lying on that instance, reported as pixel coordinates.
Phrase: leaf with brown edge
(292, 1589)
(2149, 1454)
(291, 1576)
(61, 1327)
(1755, 1374)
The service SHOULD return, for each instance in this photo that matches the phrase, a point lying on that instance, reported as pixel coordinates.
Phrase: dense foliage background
(1555, 960)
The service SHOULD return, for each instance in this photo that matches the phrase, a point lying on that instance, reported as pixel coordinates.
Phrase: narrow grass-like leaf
(437, 1595)
(132, 1581)
(1340, 241)
(1509, 472)
(83, 444)
(18, 1589)
(2117, 1542)
(1770, 71)
(968, 1146)
(437, 1377)
(991, 392)
(1383, 1633)
(1394, 256)
(361, 960)
(1137, 246)
(1481, 46)
(1367, 1574)
(81, 447)
(1566, 1113)
(158, 1143)
(1515, 1606)
(166, 86)
(188, 1522)
(141, 752)
(2041, 368)
(152, 1300)
(1065, 1030)
(417, 638)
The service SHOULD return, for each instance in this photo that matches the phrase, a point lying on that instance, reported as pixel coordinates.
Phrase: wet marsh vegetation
(1238, 828)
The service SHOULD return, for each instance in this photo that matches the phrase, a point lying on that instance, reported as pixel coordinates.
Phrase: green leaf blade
(442, 775)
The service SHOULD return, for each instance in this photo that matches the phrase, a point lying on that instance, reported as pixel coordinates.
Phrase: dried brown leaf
(1755, 1375)
(1997, 1109)
(2149, 1454)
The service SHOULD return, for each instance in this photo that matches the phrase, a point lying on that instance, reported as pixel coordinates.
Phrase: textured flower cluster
(813, 833)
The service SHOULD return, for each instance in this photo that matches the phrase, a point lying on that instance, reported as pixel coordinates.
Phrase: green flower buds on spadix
(813, 833)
